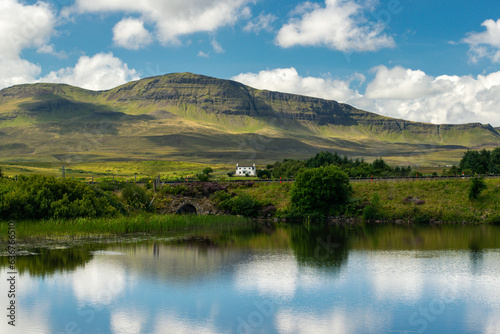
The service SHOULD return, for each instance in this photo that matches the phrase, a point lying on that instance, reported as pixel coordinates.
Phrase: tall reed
(140, 223)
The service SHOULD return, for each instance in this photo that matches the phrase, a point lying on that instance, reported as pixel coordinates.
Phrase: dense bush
(264, 174)
(372, 210)
(203, 177)
(320, 191)
(37, 197)
(136, 197)
(476, 187)
(244, 205)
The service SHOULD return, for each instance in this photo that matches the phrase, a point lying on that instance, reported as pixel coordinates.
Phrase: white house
(244, 170)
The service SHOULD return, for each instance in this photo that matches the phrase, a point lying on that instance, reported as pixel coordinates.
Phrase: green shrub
(476, 187)
(136, 197)
(221, 196)
(369, 213)
(207, 170)
(321, 191)
(243, 205)
(203, 177)
(39, 197)
(372, 210)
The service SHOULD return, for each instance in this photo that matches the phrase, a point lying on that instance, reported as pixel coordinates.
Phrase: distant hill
(184, 116)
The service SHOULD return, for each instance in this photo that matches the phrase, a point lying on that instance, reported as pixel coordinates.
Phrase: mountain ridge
(173, 115)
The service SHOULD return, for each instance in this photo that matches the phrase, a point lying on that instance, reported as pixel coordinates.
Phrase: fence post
(63, 172)
(92, 180)
(16, 177)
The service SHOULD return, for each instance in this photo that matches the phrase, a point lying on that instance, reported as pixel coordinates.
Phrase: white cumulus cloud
(173, 18)
(288, 80)
(397, 92)
(131, 34)
(22, 26)
(339, 24)
(485, 44)
(100, 72)
(416, 96)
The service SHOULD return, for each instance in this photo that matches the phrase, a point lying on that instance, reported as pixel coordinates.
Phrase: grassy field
(122, 170)
(129, 170)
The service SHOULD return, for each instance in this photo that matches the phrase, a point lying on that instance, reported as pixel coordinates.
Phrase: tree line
(289, 168)
(478, 162)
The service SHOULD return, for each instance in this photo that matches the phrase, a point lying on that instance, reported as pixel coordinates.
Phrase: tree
(203, 177)
(205, 174)
(207, 170)
(264, 173)
(476, 187)
(324, 159)
(475, 161)
(288, 168)
(319, 191)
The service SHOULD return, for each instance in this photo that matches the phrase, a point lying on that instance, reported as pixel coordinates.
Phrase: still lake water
(375, 279)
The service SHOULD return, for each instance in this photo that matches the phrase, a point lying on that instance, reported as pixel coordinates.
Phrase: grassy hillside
(195, 118)
(417, 201)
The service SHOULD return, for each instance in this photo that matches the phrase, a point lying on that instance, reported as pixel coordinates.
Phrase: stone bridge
(182, 204)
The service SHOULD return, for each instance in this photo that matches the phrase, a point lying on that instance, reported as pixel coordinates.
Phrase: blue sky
(423, 60)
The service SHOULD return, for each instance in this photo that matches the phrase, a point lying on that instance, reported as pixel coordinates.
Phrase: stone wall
(203, 205)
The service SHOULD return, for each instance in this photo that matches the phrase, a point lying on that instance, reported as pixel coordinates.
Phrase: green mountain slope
(184, 116)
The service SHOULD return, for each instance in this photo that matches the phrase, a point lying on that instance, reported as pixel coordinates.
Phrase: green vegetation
(40, 197)
(205, 174)
(476, 187)
(414, 201)
(352, 167)
(480, 162)
(140, 171)
(320, 191)
(120, 225)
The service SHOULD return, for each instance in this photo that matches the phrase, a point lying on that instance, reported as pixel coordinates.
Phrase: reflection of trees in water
(476, 255)
(427, 237)
(326, 247)
(49, 261)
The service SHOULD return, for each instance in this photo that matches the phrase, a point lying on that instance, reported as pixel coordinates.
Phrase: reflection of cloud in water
(396, 275)
(100, 282)
(333, 322)
(31, 315)
(270, 275)
(455, 277)
(492, 324)
(127, 322)
(172, 323)
(184, 264)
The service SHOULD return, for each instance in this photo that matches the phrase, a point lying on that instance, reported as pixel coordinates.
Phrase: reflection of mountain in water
(49, 261)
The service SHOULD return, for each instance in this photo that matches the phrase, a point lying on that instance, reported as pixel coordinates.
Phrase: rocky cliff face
(232, 98)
